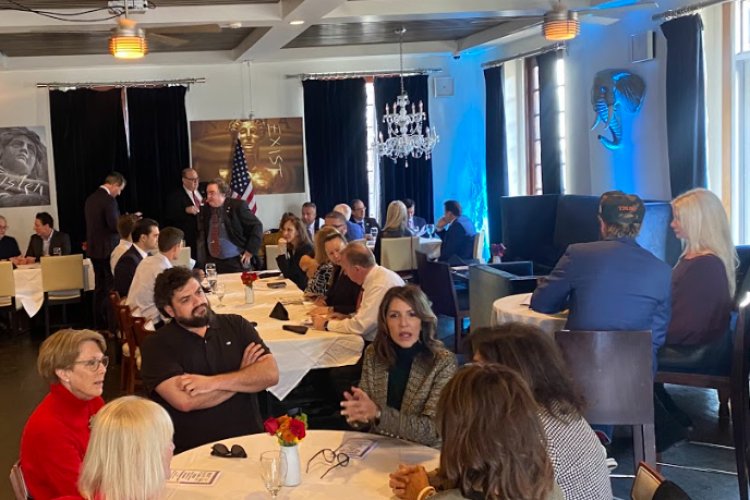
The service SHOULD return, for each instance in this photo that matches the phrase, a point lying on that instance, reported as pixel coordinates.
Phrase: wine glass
(210, 267)
(220, 290)
(212, 277)
(430, 230)
(374, 233)
(273, 471)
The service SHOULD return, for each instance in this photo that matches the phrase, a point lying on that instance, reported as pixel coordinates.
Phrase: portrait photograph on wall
(273, 150)
(24, 167)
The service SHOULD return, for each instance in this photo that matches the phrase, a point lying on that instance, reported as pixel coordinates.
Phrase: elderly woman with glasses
(56, 435)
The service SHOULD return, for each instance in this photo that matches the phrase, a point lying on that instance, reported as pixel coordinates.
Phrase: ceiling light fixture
(297, 22)
(128, 41)
(560, 24)
(405, 135)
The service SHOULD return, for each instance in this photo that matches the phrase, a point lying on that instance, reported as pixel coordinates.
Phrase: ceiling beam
(309, 11)
(494, 33)
(349, 51)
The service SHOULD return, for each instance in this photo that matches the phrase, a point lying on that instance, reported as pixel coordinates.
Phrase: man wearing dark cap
(613, 284)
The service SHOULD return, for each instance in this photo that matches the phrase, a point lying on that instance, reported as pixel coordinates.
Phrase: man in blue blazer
(613, 284)
(457, 233)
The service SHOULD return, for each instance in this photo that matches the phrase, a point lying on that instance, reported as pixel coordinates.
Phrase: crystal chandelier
(406, 136)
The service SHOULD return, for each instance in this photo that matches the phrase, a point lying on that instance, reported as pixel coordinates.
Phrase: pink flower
(271, 425)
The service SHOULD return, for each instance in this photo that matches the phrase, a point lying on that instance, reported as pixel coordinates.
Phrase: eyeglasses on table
(330, 457)
(221, 450)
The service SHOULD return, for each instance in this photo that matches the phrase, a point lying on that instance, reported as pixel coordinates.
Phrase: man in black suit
(414, 223)
(47, 241)
(101, 212)
(181, 211)
(233, 232)
(359, 217)
(145, 239)
(458, 239)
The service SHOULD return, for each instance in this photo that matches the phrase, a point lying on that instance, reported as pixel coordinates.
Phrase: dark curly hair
(167, 283)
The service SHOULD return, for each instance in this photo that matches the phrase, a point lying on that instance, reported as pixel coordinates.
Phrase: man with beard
(204, 368)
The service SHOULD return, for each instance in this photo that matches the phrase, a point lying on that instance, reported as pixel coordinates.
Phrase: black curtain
(397, 181)
(686, 112)
(549, 125)
(496, 151)
(336, 141)
(88, 138)
(159, 147)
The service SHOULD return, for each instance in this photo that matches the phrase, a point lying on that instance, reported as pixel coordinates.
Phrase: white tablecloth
(28, 280)
(364, 478)
(516, 308)
(295, 354)
(430, 246)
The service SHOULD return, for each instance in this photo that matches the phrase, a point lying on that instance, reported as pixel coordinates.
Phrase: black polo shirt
(173, 351)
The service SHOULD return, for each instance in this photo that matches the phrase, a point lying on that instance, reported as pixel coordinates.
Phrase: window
(373, 163)
(741, 127)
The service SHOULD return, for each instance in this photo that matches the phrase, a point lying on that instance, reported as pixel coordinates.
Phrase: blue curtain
(496, 151)
(686, 110)
(397, 181)
(336, 141)
(549, 123)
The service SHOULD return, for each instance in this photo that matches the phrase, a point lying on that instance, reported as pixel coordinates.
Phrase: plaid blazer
(416, 419)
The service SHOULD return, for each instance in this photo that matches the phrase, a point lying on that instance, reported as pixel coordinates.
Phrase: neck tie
(213, 245)
(196, 200)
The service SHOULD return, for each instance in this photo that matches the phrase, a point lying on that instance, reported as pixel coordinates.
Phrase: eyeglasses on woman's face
(92, 364)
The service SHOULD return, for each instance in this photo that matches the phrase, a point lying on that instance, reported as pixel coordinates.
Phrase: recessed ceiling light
(235, 25)
(296, 22)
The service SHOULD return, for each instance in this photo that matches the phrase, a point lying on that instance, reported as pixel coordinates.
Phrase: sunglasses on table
(330, 457)
(221, 450)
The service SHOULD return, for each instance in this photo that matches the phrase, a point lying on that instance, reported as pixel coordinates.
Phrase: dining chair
(62, 283)
(8, 293)
(730, 379)
(478, 252)
(436, 282)
(649, 484)
(17, 482)
(397, 254)
(613, 371)
(129, 349)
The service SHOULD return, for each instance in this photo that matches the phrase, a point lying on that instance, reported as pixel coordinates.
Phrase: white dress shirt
(141, 293)
(194, 193)
(365, 320)
(117, 252)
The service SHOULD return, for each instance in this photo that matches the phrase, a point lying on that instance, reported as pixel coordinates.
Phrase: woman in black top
(298, 244)
(342, 293)
(395, 225)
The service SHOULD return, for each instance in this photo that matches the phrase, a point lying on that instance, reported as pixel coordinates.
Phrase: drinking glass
(273, 471)
(374, 233)
(56, 251)
(430, 230)
(220, 290)
(210, 267)
(212, 278)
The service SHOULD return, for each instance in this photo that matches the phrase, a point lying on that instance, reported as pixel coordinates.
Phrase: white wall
(226, 95)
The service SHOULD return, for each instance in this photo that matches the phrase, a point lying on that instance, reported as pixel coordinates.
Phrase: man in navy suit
(414, 223)
(47, 241)
(457, 233)
(181, 211)
(613, 284)
(145, 237)
(101, 212)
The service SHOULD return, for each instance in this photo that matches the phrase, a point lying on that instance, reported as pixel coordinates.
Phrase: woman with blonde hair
(129, 453)
(396, 221)
(55, 437)
(320, 271)
(493, 442)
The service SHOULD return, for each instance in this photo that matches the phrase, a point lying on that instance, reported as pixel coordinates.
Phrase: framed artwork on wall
(24, 167)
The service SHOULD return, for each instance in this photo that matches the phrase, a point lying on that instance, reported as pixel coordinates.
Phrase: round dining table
(515, 308)
(363, 478)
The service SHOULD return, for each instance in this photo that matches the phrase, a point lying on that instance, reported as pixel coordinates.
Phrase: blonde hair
(705, 227)
(320, 244)
(396, 217)
(60, 350)
(125, 460)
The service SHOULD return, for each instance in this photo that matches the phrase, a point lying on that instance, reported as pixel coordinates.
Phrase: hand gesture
(358, 407)
(399, 479)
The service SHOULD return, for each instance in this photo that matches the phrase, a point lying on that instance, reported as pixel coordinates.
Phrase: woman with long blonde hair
(395, 226)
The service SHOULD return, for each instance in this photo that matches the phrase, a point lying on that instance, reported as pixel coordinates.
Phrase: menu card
(357, 447)
(204, 477)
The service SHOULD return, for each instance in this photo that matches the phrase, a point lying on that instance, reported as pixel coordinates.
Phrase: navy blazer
(101, 212)
(609, 285)
(125, 270)
(458, 240)
(58, 240)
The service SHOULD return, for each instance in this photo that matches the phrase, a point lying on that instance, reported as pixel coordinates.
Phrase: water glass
(210, 267)
(57, 251)
(430, 230)
(273, 471)
(374, 233)
(219, 290)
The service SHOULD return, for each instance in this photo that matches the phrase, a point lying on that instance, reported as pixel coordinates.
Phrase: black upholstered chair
(487, 283)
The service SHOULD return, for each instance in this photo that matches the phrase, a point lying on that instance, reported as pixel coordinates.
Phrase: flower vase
(293, 467)
(496, 259)
(249, 295)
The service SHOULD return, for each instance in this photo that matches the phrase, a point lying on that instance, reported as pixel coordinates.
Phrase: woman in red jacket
(56, 435)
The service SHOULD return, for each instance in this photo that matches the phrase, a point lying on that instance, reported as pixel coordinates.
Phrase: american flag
(242, 184)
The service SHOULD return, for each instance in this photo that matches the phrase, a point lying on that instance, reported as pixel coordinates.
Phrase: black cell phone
(277, 284)
(295, 328)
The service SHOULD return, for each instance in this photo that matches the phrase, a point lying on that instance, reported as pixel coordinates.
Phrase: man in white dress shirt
(359, 264)
(141, 294)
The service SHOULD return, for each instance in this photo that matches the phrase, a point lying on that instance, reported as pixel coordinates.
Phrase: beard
(196, 319)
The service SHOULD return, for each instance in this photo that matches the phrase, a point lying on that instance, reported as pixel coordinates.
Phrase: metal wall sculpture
(614, 90)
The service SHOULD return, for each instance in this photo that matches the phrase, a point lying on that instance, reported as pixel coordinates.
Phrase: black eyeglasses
(93, 364)
(220, 450)
(330, 457)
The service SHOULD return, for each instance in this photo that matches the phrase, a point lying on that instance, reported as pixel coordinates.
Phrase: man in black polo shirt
(204, 368)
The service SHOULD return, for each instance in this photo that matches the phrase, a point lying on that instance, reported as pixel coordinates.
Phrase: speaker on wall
(443, 86)
(642, 46)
